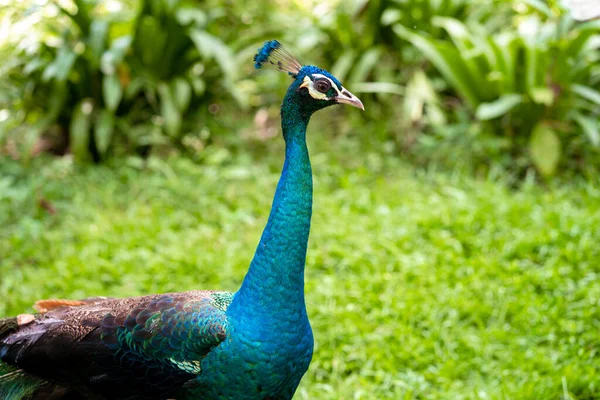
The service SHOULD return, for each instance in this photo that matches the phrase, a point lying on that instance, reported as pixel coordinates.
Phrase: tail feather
(16, 384)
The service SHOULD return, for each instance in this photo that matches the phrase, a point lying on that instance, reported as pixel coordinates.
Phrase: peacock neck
(275, 279)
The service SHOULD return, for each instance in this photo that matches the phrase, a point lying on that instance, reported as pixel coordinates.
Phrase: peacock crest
(274, 55)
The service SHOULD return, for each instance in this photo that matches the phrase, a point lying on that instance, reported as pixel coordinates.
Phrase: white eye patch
(314, 93)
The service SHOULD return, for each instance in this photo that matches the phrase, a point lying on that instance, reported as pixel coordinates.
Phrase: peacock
(256, 343)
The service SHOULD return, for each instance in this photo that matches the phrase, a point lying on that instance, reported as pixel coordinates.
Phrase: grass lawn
(419, 285)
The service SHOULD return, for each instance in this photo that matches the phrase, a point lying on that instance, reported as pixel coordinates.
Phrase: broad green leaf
(81, 17)
(343, 65)
(489, 61)
(150, 40)
(115, 54)
(542, 95)
(59, 98)
(473, 54)
(590, 128)
(58, 95)
(446, 59)
(60, 67)
(505, 48)
(111, 91)
(169, 111)
(182, 93)
(210, 46)
(97, 39)
(457, 30)
(593, 25)
(134, 87)
(390, 16)
(170, 6)
(587, 93)
(536, 63)
(199, 86)
(545, 149)
(540, 6)
(79, 130)
(103, 131)
(157, 7)
(530, 66)
(577, 45)
(33, 65)
(187, 15)
(563, 25)
(420, 96)
(364, 65)
(497, 108)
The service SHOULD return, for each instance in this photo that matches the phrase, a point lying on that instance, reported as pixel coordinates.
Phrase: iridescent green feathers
(15, 384)
(274, 55)
(169, 332)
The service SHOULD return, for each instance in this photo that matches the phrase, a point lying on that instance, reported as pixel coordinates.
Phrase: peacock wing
(120, 348)
(171, 330)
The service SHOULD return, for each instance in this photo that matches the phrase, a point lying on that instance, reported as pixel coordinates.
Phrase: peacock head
(313, 88)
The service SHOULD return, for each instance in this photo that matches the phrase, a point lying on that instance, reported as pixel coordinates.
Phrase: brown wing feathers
(43, 306)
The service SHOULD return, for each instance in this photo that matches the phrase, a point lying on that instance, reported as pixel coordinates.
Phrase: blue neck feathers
(275, 280)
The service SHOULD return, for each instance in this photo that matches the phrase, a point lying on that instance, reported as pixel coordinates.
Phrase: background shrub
(470, 84)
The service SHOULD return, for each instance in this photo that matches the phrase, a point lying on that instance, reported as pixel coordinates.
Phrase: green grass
(419, 285)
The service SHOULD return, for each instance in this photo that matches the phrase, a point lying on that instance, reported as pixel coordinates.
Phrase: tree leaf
(103, 131)
(540, 6)
(169, 110)
(343, 65)
(447, 59)
(60, 67)
(97, 39)
(112, 91)
(497, 108)
(135, 87)
(182, 93)
(199, 86)
(79, 130)
(150, 40)
(364, 65)
(545, 149)
(532, 66)
(542, 95)
(587, 93)
(420, 99)
(115, 54)
(590, 128)
(505, 46)
(210, 46)
(187, 15)
(81, 17)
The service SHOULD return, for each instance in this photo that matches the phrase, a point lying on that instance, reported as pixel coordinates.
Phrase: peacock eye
(322, 85)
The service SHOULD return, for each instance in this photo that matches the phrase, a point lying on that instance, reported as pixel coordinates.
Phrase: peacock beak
(346, 97)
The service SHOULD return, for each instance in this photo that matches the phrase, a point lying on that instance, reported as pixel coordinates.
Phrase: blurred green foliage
(473, 84)
(533, 87)
(118, 80)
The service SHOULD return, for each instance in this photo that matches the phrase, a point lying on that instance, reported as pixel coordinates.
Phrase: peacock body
(256, 343)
